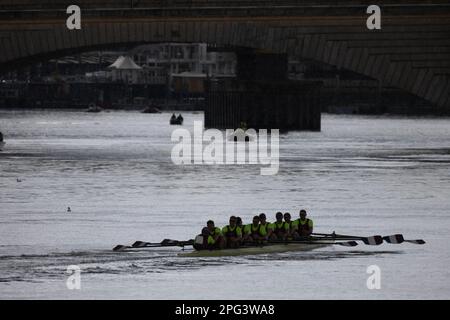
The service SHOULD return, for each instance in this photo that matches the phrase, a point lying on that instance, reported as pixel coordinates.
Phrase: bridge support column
(262, 97)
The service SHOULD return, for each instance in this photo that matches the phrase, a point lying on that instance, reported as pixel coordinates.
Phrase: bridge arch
(352, 51)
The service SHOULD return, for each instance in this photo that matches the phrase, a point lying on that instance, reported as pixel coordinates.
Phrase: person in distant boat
(251, 231)
(280, 228)
(266, 229)
(215, 239)
(232, 234)
(180, 118)
(173, 117)
(303, 227)
(1, 137)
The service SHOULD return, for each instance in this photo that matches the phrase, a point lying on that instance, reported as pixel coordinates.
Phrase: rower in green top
(239, 224)
(215, 239)
(266, 228)
(280, 228)
(232, 234)
(289, 224)
(252, 231)
(303, 227)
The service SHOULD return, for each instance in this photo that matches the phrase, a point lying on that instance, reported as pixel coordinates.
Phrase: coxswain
(215, 239)
(232, 234)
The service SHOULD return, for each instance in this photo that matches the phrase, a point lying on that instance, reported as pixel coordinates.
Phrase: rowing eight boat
(272, 248)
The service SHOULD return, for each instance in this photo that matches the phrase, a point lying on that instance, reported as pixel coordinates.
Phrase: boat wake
(53, 266)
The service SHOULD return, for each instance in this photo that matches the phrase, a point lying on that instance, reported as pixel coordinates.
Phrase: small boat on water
(93, 108)
(253, 250)
(151, 109)
(176, 120)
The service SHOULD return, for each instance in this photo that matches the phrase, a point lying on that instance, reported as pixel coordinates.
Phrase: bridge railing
(98, 4)
(31, 10)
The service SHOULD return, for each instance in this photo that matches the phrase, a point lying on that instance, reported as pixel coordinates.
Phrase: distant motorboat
(93, 108)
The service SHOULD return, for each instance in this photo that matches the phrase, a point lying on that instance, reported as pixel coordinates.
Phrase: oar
(346, 243)
(371, 241)
(164, 243)
(121, 247)
(398, 238)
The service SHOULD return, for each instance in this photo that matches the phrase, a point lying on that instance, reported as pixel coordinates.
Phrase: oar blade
(138, 244)
(373, 240)
(418, 241)
(394, 239)
(348, 243)
(170, 242)
(120, 247)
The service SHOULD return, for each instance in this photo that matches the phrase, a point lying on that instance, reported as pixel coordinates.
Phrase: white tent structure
(125, 69)
(116, 63)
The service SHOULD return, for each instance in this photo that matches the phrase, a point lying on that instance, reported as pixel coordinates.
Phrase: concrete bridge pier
(262, 97)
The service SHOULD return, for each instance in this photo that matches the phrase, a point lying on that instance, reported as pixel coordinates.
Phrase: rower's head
(210, 225)
(279, 216)
(232, 221)
(205, 231)
(303, 214)
(255, 220)
(287, 217)
(262, 218)
(239, 221)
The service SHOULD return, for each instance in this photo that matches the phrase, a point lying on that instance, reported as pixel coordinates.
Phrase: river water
(360, 175)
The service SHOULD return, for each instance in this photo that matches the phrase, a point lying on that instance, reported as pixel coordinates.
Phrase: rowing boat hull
(277, 248)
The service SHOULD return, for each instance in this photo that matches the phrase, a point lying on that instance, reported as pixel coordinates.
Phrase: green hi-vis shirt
(216, 232)
(280, 225)
(227, 229)
(296, 222)
(262, 228)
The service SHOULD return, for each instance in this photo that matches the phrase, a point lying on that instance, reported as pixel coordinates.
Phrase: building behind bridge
(177, 71)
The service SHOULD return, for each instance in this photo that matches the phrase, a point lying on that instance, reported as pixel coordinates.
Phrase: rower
(288, 222)
(239, 224)
(303, 227)
(280, 228)
(173, 117)
(212, 237)
(232, 234)
(251, 231)
(266, 229)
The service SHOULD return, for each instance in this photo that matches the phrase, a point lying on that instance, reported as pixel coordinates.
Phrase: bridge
(411, 51)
